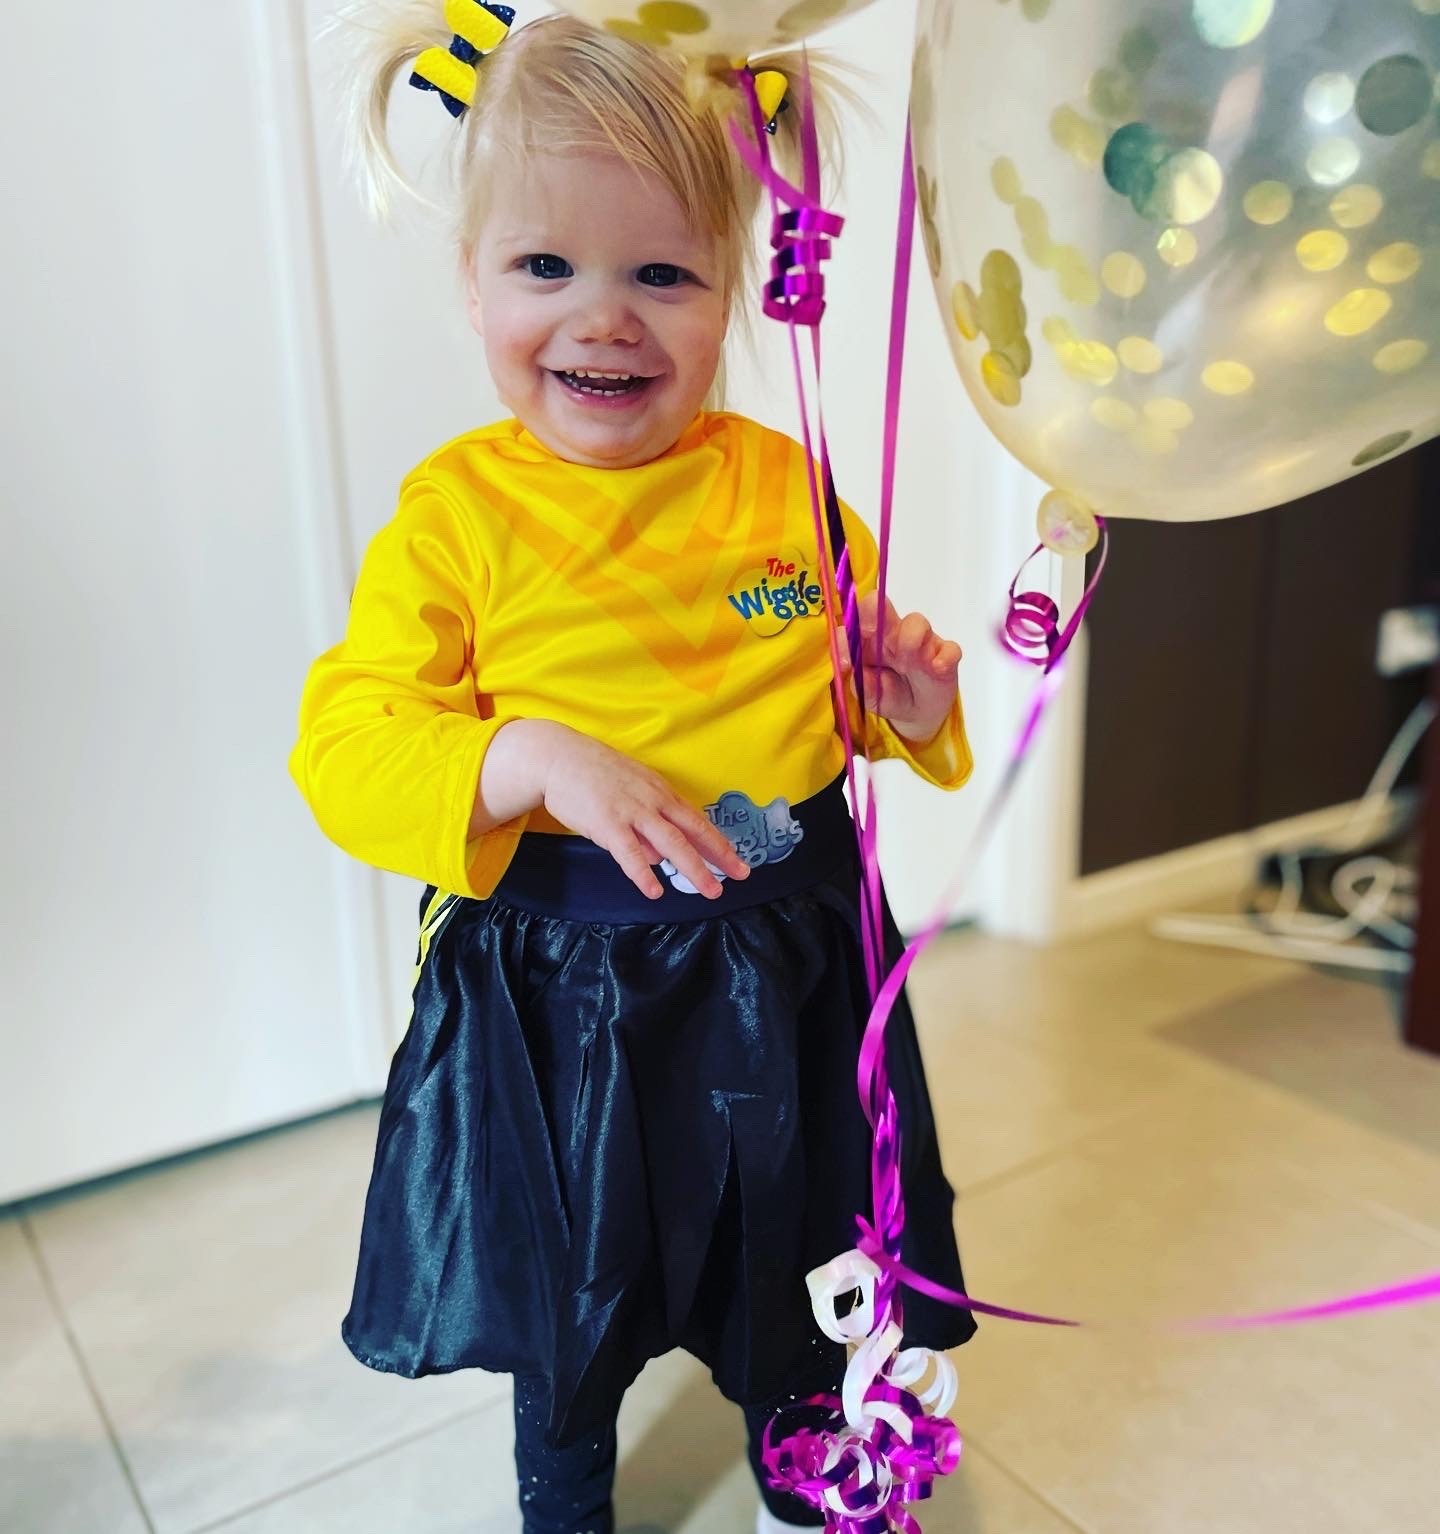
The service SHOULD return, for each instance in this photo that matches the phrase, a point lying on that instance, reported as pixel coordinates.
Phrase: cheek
(700, 336)
(510, 335)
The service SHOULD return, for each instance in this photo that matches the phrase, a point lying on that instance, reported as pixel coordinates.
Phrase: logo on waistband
(760, 835)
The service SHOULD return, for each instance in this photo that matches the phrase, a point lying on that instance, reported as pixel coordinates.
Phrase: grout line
(47, 1198)
(966, 1192)
(393, 1446)
(47, 1281)
(973, 1446)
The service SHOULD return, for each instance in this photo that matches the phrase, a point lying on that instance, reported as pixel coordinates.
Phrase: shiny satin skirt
(602, 1141)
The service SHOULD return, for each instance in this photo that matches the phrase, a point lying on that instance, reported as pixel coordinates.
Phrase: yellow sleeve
(945, 758)
(392, 732)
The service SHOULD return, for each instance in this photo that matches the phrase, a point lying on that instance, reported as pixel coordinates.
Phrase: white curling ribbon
(911, 1367)
(848, 1273)
(867, 1364)
(867, 1474)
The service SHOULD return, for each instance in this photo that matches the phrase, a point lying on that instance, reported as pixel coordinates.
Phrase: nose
(605, 316)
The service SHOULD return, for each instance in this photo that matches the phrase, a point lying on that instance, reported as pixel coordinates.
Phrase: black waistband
(789, 848)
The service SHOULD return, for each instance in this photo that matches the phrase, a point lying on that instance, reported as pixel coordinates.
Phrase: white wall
(178, 956)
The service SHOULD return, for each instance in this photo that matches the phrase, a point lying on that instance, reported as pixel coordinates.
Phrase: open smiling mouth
(603, 385)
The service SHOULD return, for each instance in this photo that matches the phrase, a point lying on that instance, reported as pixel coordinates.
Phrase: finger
(948, 656)
(682, 853)
(635, 862)
(906, 644)
(712, 842)
(653, 855)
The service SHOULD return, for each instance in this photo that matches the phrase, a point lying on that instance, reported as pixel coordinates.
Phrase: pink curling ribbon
(891, 1439)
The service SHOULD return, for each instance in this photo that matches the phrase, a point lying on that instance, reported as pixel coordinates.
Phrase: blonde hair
(559, 85)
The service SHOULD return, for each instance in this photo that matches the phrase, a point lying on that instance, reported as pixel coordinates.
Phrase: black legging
(567, 1491)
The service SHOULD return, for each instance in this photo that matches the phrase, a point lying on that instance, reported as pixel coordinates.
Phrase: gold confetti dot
(1188, 185)
(1177, 247)
(1089, 361)
(1006, 181)
(1040, 249)
(1112, 95)
(1228, 378)
(1115, 414)
(1000, 379)
(1359, 311)
(1401, 356)
(808, 16)
(633, 32)
(1077, 282)
(964, 306)
(1123, 274)
(1332, 161)
(1057, 330)
(1032, 219)
(1427, 7)
(1381, 448)
(1269, 202)
(1018, 355)
(1153, 439)
(1395, 263)
(1002, 316)
(1170, 414)
(1140, 355)
(1080, 138)
(1322, 250)
(1430, 162)
(1329, 97)
(1356, 206)
(999, 271)
(673, 16)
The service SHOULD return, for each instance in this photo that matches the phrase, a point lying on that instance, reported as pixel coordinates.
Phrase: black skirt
(603, 1140)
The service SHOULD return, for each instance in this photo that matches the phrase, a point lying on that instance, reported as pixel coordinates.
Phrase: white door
(185, 958)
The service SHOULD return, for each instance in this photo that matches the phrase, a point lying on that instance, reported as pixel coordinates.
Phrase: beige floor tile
(59, 1473)
(1330, 1041)
(206, 1298)
(1003, 1103)
(455, 1479)
(1326, 1428)
(1079, 994)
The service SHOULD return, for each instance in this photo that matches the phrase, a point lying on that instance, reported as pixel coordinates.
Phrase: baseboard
(1171, 882)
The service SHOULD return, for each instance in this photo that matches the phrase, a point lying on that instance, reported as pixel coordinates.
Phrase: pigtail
(385, 38)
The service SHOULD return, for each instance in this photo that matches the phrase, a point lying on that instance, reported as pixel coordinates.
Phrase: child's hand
(915, 683)
(634, 814)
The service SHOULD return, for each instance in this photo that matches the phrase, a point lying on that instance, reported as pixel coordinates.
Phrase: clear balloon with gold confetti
(1187, 251)
(716, 30)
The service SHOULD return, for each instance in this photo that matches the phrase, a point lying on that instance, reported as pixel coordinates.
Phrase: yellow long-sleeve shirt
(672, 611)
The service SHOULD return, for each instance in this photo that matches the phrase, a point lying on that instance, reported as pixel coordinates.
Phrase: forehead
(600, 199)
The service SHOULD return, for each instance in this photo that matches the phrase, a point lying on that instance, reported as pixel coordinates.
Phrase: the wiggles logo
(781, 589)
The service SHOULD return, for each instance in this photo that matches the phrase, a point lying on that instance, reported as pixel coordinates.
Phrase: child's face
(586, 265)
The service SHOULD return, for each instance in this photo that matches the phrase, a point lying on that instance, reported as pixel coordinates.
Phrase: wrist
(919, 732)
(514, 776)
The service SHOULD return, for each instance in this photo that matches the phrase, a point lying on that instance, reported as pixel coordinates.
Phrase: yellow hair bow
(771, 88)
(479, 28)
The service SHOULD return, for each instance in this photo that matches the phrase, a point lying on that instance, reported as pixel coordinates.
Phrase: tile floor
(1137, 1129)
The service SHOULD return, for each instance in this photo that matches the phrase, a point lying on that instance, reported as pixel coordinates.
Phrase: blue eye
(548, 267)
(661, 274)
